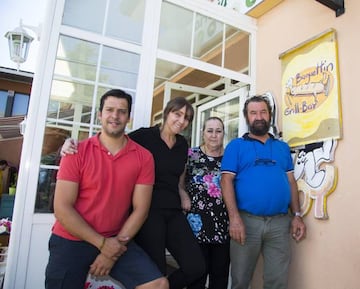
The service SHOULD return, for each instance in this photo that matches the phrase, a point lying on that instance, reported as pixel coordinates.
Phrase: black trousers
(169, 229)
(217, 258)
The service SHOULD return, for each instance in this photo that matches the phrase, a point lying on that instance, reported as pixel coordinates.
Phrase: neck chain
(218, 154)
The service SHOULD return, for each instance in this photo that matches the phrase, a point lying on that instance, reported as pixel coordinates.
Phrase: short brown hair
(178, 103)
(257, 98)
(118, 93)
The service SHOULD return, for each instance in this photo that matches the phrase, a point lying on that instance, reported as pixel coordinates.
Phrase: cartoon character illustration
(315, 177)
(274, 119)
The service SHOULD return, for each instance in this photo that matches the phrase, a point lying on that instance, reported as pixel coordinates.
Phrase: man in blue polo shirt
(259, 188)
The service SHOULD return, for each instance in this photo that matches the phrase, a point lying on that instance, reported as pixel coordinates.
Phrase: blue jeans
(69, 264)
(269, 236)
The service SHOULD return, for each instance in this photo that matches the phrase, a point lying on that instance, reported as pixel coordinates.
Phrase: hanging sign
(310, 91)
(242, 6)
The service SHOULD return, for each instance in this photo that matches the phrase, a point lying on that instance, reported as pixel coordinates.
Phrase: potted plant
(5, 229)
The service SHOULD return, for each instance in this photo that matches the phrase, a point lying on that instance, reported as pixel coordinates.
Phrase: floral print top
(208, 217)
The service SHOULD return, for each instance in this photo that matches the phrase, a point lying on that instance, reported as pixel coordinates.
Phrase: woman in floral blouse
(202, 200)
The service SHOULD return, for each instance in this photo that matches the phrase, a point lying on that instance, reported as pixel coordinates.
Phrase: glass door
(229, 109)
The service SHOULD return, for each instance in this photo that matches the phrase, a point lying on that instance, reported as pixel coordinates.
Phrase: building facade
(214, 56)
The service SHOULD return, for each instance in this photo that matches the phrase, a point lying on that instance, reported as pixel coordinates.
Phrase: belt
(262, 217)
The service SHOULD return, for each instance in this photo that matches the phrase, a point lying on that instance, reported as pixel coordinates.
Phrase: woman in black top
(166, 226)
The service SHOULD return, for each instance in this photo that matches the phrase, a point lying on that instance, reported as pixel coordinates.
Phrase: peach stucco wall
(330, 255)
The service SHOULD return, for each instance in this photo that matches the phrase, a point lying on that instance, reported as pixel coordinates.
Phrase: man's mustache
(259, 122)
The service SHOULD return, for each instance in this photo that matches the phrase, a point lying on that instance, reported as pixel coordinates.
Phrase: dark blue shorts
(69, 264)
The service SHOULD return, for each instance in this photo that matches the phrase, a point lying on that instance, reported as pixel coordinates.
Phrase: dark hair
(256, 98)
(3, 162)
(213, 118)
(178, 103)
(118, 93)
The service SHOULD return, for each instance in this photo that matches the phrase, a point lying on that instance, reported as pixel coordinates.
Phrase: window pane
(175, 36)
(119, 68)
(210, 44)
(21, 103)
(45, 189)
(70, 107)
(68, 112)
(92, 20)
(76, 58)
(3, 100)
(208, 39)
(237, 50)
(72, 92)
(53, 140)
(125, 20)
(165, 70)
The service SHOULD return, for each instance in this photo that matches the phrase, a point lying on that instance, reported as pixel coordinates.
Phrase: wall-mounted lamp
(19, 42)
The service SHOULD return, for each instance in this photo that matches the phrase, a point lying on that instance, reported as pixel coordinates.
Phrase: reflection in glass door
(229, 109)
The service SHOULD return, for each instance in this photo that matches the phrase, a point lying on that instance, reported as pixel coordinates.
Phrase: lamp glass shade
(19, 44)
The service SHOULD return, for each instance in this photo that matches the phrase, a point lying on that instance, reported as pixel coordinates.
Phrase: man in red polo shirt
(102, 198)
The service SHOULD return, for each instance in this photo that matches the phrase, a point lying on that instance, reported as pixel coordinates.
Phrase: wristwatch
(298, 214)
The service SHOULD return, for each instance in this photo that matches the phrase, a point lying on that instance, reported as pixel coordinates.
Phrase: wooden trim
(263, 8)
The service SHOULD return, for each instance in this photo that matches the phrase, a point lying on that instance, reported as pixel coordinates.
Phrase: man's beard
(259, 127)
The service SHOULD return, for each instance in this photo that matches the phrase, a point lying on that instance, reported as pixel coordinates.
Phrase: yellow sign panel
(310, 91)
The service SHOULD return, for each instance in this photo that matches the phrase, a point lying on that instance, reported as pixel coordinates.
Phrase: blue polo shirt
(261, 183)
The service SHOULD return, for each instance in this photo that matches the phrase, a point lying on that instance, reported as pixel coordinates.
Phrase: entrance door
(229, 109)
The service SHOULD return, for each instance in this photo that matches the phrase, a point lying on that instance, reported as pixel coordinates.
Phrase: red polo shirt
(106, 183)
